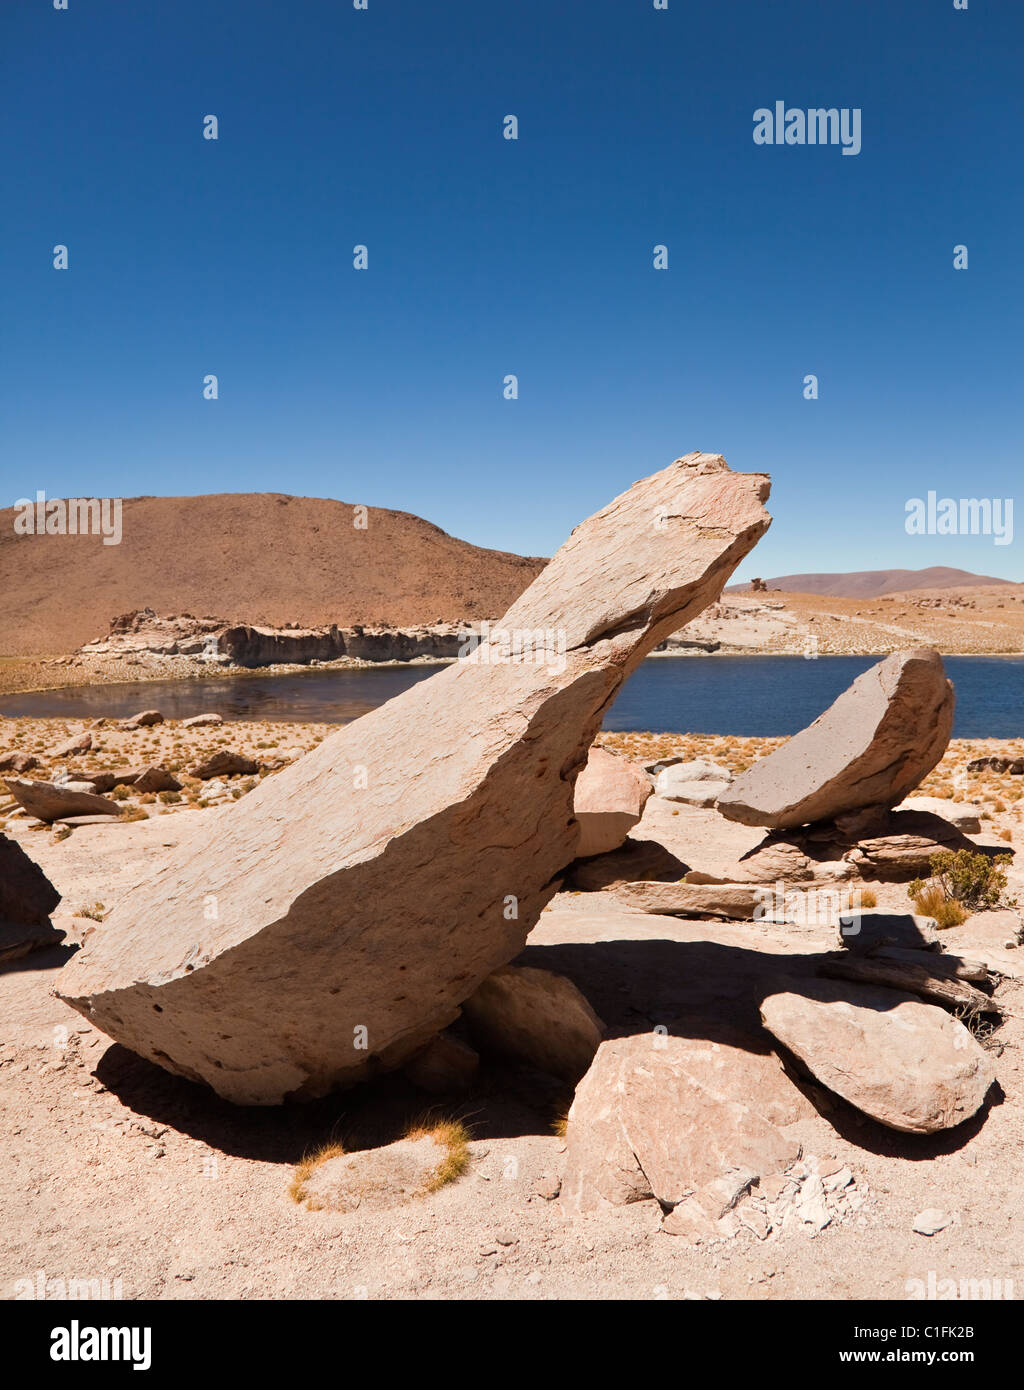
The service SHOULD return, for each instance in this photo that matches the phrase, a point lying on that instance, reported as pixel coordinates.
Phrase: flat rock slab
(962, 815)
(872, 747)
(537, 1016)
(375, 1179)
(365, 892)
(909, 1065)
(691, 899)
(667, 1117)
(49, 801)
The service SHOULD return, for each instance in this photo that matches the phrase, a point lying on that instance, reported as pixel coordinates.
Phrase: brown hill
(873, 583)
(256, 557)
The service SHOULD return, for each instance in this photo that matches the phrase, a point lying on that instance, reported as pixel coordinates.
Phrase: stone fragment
(610, 796)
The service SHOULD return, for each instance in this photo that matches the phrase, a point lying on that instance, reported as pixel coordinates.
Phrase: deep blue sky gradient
(488, 257)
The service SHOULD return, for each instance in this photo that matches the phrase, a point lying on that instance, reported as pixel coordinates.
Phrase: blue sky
(534, 257)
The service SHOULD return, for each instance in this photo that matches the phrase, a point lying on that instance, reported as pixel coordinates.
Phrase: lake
(745, 695)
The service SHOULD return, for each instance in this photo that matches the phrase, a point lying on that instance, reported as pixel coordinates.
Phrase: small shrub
(972, 879)
(169, 798)
(95, 913)
(931, 901)
(131, 813)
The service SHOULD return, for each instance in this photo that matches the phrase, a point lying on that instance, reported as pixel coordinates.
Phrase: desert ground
(114, 1169)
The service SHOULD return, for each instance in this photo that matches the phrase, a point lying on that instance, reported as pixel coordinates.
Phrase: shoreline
(186, 670)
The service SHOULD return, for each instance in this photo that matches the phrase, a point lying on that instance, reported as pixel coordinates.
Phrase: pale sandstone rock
(960, 814)
(78, 743)
(610, 796)
(872, 747)
(14, 761)
(909, 1065)
(49, 801)
(690, 899)
(672, 1118)
(695, 783)
(143, 720)
(537, 1016)
(367, 890)
(201, 721)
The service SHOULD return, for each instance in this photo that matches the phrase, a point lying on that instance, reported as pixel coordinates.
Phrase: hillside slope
(872, 583)
(256, 557)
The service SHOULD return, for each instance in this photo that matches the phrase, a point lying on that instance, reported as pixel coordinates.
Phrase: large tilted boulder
(611, 793)
(872, 747)
(909, 1065)
(346, 907)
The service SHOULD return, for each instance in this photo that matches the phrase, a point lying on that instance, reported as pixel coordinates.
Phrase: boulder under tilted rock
(633, 861)
(50, 801)
(872, 747)
(27, 897)
(696, 783)
(909, 1065)
(446, 1066)
(225, 764)
(668, 1117)
(894, 846)
(366, 891)
(610, 796)
(536, 1016)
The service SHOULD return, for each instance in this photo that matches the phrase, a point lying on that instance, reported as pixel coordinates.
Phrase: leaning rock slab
(26, 895)
(872, 747)
(359, 904)
(909, 1065)
(667, 1117)
(49, 801)
(537, 1016)
(611, 793)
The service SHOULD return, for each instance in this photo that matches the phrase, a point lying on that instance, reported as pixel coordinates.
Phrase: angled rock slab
(673, 1118)
(50, 801)
(908, 1065)
(872, 747)
(357, 906)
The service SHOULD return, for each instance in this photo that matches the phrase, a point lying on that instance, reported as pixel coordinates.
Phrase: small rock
(930, 1221)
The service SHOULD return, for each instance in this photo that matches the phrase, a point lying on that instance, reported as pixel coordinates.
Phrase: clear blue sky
(533, 257)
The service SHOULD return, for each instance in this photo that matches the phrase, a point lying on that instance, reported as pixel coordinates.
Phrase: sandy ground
(112, 1169)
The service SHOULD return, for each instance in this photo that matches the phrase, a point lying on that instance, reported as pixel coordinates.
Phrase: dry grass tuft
(931, 901)
(453, 1136)
(305, 1169)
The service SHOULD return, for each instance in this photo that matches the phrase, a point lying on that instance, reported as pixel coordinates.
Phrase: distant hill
(256, 557)
(872, 583)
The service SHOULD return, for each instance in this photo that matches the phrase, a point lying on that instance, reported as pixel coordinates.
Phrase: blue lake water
(745, 695)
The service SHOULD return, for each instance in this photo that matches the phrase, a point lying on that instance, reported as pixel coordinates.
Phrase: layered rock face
(872, 747)
(346, 908)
